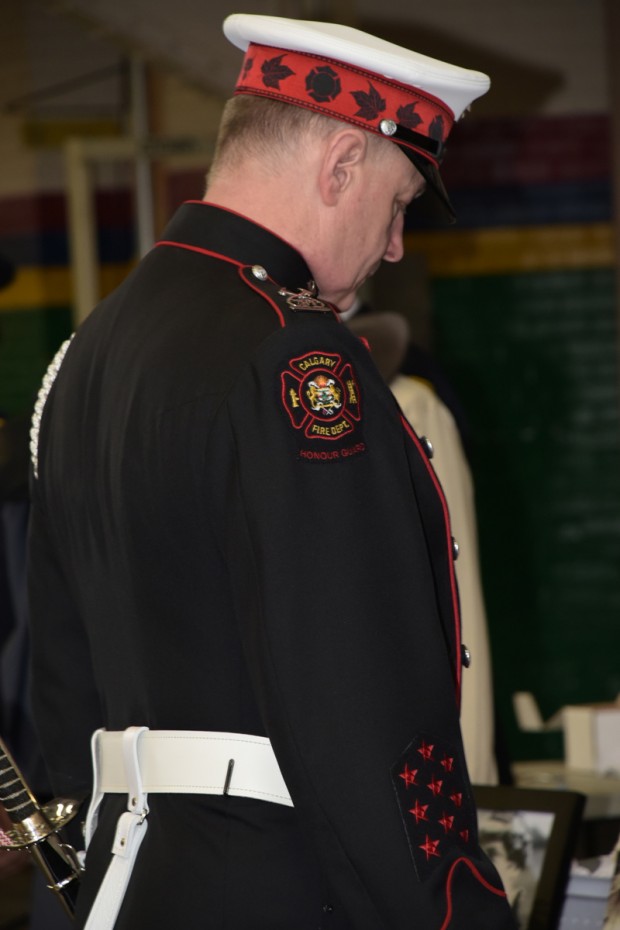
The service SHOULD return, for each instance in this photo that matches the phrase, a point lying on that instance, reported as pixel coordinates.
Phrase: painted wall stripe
(44, 286)
(464, 253)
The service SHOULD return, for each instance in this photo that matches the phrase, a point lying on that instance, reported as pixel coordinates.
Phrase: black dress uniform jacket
(234, 530)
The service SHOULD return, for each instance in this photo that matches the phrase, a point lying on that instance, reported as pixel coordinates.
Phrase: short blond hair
(258, 127)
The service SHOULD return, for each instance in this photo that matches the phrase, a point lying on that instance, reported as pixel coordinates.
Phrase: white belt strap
(194, 762)
(130, 831)
(139, 761)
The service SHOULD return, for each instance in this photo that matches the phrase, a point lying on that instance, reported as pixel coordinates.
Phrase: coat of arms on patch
(321, 395)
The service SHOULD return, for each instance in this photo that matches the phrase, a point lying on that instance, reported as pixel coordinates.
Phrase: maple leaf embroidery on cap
(370, 104)
(407, 116)
(247, 67)
(274, 71)
(436, 129)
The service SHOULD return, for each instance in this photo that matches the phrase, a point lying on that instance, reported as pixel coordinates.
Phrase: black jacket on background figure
(233, 530)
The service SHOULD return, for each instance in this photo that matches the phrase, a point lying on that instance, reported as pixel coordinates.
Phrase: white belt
(137, 761)
(194, 762)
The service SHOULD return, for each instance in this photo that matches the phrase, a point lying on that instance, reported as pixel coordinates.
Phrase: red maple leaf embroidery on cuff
(435, 785)
(435, 807)
(430, 847)
(419, 811)
(426, 751)
(448, 763)
(408, 775)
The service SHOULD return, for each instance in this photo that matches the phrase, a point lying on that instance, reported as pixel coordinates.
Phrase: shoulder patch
(321, 396)
(436, 809)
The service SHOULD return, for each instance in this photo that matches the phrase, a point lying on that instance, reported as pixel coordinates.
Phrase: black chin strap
(399, 133)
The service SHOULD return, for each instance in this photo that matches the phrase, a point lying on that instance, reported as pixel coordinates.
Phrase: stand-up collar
(220, 232)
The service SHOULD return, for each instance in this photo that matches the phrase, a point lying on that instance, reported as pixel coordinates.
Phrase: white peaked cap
(352, 76)
(457, 87)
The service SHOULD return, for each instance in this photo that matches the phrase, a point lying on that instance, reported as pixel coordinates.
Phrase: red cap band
(344, 92)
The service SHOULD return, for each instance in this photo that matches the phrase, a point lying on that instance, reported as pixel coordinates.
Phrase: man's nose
(396, 249)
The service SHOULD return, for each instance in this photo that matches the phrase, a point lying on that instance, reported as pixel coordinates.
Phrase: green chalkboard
(534, 360)
(29, 340)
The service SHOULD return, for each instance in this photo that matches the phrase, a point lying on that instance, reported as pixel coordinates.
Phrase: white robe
(431, 418)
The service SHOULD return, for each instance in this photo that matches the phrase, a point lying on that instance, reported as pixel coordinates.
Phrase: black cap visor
(425, 153)
(441, 207)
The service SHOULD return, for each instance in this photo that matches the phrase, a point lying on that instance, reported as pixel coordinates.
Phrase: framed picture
(612, 915)
(530, 836)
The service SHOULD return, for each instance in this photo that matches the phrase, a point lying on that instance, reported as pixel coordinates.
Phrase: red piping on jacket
(231, 261)
(453, 588)
(254, 287)
(483, 881)
(196, 248)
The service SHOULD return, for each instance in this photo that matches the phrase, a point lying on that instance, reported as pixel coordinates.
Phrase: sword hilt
(15, 796)
(35, 827)
(31, 821)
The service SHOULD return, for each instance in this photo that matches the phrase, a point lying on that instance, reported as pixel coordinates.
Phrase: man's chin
(342, 303)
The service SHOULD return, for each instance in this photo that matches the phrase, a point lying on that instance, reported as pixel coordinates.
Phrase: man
(238, 544)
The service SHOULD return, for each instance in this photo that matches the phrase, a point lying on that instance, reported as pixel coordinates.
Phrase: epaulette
(283, 301)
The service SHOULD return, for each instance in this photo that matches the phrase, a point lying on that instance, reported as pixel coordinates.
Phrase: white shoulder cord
(46, 387)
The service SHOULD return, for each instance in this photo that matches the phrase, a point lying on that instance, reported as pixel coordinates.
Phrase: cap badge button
(388, 127)
(259, 272)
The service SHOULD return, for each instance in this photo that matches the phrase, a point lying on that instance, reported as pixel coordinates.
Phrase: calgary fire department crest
(321, 395)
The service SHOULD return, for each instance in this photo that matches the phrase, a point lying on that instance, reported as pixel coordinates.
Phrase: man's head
(332, 176)
(337, 193)
(358, 79)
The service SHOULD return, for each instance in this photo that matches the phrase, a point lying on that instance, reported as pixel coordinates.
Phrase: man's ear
(343, 156)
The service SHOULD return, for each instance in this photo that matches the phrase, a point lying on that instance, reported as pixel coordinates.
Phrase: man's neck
(273, 205)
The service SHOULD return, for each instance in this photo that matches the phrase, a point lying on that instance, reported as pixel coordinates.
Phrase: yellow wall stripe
(40, 286)
(449, 253)
(514, 250)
